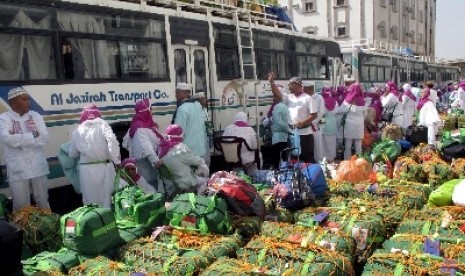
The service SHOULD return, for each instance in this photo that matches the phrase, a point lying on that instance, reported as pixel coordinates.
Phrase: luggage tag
(449, 266)
(432, 247)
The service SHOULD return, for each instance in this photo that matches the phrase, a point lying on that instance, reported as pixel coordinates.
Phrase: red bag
(242, 199)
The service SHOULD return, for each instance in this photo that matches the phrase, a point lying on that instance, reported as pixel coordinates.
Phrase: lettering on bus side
(109, 96)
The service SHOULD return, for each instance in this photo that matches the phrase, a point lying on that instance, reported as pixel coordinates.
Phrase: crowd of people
(177, 160)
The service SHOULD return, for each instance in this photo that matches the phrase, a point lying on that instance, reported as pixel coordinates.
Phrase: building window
(395, 5)
(412, 36)
(341, 31)
(382, 29)
(309, 5)
(420, 38)
(340, 2)
(412, 9)
(395, 32)
(382, 3)
(405, 35)
(420, 14)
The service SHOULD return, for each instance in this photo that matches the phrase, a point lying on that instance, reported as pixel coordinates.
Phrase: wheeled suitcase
(11, 243)
(417, 135)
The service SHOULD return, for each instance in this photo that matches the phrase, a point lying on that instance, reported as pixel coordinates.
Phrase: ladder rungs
(246, 47)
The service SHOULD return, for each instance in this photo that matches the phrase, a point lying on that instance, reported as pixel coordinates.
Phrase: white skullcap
(240, 116)
(183, 86)
(307, 84)
(15, 92)
(199, 95)
(406, 87)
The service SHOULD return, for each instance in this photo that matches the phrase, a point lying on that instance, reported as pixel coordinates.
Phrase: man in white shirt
(309, 89)
(302, 112)
(24, 135)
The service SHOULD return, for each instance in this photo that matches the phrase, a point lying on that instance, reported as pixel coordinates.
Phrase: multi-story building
(406, 23)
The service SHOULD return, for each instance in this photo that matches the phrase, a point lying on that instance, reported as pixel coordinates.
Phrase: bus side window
(67, 60)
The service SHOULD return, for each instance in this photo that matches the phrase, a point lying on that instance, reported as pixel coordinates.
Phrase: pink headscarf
(341, 93)
(131, 162)
(174, 136)
(330, 102)
(392, 87)
(142, 118)
(355, 95)
(240, 119)
(90, 112)
(424, 99)
(376, 105)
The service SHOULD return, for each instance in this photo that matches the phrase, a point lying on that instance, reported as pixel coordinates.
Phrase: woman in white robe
(353, 111)
(329, 128)
(94, 142)
(408, 106)
(428, 114)
(459, 102)
(391, 103)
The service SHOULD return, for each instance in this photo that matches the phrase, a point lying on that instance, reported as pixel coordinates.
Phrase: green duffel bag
(207, 214)
(101, 266)
(388, 148)
(129, 231)
(90, 230)
(46, 261)
(133, 204)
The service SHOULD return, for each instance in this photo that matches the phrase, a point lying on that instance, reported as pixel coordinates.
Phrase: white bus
(373, 63)
(70, 53)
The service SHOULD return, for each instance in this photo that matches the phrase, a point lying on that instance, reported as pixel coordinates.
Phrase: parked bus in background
(70, 53)
(373, 63)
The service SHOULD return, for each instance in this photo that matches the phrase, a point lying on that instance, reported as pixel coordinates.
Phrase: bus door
(191, 66)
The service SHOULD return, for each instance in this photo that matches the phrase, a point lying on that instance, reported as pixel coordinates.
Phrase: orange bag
(355, 170)
(367, 141)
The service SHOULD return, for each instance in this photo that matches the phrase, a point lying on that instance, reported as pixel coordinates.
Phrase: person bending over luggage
(133, 178)
(181, 171)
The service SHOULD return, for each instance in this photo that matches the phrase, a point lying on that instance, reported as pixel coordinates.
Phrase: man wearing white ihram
(24, 134)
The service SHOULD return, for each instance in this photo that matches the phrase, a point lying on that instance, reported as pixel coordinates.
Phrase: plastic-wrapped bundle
(414, 265)
(279, 256)
(100, 266)
(450, 233)
(367, 228)
(227, 266)
(292, 233)
(461, 121)
(435, 213)
(212, 246)
(154, 257)
(60, 261)
(41, 228)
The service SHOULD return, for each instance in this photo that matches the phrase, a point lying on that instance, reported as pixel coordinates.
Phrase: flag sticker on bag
(189, 222)
(70, 227)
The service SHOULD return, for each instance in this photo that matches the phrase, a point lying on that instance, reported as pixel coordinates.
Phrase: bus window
(365, 76)
(284, 66)
(227, 64)
(323, 69)
(387, 74)
(200, 72)
(26, 57)
(180, 66)
(373, 74)
(266, 64)
(381, 74)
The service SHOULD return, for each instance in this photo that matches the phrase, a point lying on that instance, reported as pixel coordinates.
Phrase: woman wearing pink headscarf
(459, 102)
(142, 141)
(408, 106)
(94, 142)
(329, 128)
(428, 115)
(354, 111)
(133, 178)
(391, 103)
(179, 160)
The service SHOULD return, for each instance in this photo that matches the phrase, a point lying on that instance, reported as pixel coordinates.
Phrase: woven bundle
(435, 213)
(279, 256)
(401, 167)
(41, 228)
(227, 266)
(246, 227)
(461, 121)
(414, 265)
(367, 228)
(280, 215)
(458, 167)
(154, 257)
(437, 172)
(100, 266)
(450, 234)
(450, 123)
(212, 246)
(338, 242)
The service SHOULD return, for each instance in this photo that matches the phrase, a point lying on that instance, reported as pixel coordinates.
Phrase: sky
(450, 29)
